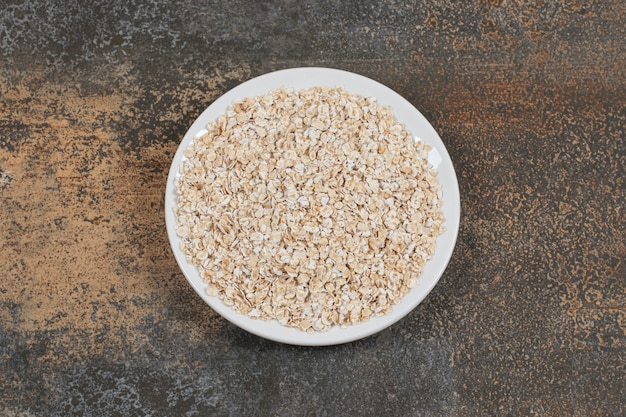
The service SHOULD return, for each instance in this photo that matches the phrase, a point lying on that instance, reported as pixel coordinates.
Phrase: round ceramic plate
(405, 113)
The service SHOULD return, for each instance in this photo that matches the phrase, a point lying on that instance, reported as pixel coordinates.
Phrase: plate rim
(336, 335)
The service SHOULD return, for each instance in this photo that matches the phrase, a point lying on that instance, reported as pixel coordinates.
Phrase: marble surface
(529, 318)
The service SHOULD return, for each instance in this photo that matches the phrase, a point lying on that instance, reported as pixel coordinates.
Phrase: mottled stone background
(97, 320)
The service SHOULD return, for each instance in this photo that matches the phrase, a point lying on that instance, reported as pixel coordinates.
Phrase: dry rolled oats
(313, 207)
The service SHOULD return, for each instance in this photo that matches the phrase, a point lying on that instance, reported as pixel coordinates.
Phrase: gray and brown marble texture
(529, 318)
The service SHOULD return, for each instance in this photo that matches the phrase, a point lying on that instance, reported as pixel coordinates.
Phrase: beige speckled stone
(96, 318)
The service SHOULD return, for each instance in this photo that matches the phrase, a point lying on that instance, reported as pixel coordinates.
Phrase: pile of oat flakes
(313, 207)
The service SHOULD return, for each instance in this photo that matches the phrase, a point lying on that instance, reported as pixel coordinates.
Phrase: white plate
(404, 112)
